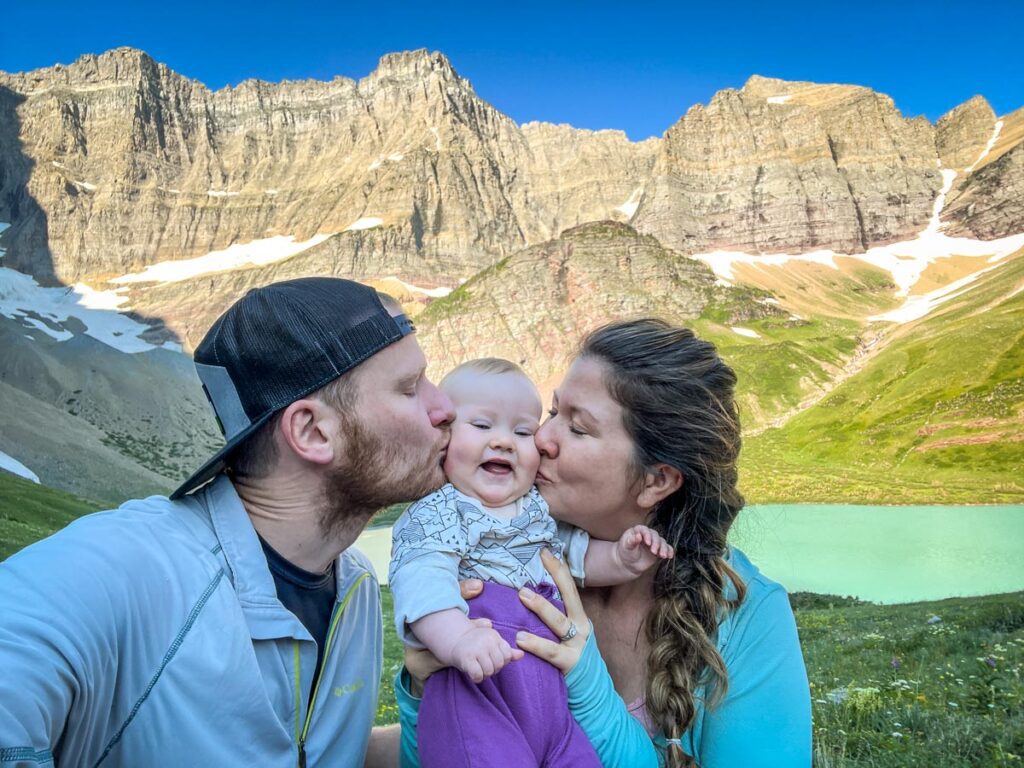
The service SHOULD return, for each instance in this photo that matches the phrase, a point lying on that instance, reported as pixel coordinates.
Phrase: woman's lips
(542, 478)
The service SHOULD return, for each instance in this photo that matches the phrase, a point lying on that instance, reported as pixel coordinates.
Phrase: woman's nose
(545, 440)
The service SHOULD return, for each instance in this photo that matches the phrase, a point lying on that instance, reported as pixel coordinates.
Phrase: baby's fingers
(486, 667)
(498, 660)
(662, 548)
(474, 670)
(506, 651)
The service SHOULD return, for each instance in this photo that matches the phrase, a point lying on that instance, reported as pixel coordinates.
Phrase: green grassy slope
(29, 512)
(936, 416)
(891, 689)
(789, 362)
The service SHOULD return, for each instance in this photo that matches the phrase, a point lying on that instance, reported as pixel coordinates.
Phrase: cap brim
(215, 465)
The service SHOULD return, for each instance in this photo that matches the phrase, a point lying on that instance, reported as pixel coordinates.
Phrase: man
(232, 624)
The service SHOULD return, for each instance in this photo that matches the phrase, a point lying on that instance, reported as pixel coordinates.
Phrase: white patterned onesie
(448, 536)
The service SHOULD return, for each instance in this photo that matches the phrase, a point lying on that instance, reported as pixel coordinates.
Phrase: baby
(490, 523)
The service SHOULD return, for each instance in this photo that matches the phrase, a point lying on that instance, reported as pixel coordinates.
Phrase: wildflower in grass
(922, 698)
(991, 661)
(895, 663)
(897, 735)
(837, 696)
(866, 699)
(953, 705)
(933, 620)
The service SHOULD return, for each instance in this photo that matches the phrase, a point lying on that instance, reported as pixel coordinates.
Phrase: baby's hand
(640, 548)
(481, 652)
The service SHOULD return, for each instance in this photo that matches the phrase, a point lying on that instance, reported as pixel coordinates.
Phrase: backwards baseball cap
(279, 343)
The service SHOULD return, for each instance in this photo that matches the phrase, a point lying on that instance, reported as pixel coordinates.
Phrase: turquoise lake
(887, 554)
(881, 554)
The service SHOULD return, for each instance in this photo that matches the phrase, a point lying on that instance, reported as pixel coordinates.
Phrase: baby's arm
(456, 641)
(615, 562)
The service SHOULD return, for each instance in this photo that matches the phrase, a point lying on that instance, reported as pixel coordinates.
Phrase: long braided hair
(677, 397)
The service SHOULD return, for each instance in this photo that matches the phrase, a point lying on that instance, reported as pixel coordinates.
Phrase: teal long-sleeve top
(764, 718)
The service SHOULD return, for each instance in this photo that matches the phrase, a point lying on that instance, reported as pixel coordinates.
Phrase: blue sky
(630, 65)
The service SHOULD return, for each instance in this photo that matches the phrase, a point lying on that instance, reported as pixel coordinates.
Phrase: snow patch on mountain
(434, 293)
(15, 467)
(367, 222)
(988, 147)
(49, 309)
(917, 307)
(629, 207)
(722, 262)
(256, 253)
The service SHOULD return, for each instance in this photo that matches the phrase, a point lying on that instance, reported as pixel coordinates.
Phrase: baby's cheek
(455, 461)
(529, 458)
(455, 457)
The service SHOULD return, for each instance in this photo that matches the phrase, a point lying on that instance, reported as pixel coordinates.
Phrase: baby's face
(492, 456)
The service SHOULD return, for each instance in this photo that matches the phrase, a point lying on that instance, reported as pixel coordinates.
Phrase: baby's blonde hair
(487, 365)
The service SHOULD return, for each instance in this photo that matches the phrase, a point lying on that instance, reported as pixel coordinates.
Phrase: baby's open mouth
(497, 467)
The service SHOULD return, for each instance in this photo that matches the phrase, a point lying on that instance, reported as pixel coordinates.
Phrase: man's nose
(545, 440)
(441, 410)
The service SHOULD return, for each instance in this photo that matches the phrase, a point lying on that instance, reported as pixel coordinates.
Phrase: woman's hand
(420, 662)
(566, 653)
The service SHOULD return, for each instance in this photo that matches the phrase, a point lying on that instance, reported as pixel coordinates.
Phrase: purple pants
(516, 718)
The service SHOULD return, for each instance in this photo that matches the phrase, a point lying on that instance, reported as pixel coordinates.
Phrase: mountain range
(812, 231)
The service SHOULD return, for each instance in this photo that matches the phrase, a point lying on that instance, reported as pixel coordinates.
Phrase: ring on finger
(571, 632)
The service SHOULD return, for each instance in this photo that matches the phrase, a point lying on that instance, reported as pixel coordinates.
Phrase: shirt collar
(248, 569)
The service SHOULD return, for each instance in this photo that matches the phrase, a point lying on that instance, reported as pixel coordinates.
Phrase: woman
(703, 650)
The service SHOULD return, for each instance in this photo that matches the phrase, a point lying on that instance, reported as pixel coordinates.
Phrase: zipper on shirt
(303, 733)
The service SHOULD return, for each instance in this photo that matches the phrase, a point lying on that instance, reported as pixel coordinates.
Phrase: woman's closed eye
(573, 428)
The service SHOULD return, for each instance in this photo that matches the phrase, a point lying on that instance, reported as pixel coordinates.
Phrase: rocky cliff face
(782, 166)
(961, 134)
(116, 162)
(988, 199)
(534, 306)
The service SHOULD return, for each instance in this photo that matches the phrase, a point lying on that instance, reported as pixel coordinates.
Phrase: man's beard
(366, 478)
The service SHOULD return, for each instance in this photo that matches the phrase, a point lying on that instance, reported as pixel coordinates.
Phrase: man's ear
(660, 482)
(308, 427)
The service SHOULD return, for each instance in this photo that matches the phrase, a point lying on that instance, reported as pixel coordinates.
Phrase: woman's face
(586, 455)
